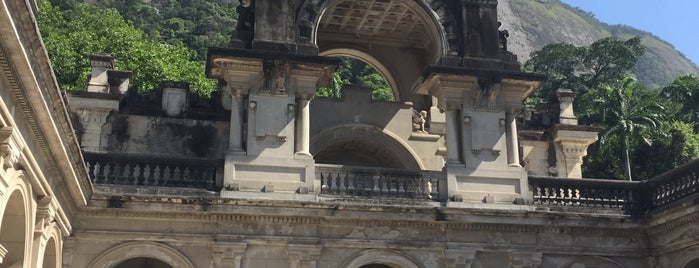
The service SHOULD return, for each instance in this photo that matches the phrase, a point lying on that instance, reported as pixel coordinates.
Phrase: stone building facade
(455, 173)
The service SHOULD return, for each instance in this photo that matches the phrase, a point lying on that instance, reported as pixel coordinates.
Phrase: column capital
(304, 256)
(228, 254)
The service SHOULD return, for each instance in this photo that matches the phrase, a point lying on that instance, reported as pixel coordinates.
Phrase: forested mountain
(535, 23)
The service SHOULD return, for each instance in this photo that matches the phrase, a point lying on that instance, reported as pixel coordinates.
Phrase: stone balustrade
(153, 171)
(632, 198)
(674, 185)
(592, 193)
(379, 182)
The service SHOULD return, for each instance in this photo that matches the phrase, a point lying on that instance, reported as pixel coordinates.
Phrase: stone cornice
(40, 105)
(396, 217)
(674, 224)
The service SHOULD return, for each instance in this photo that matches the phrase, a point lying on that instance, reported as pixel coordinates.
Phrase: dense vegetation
(647, 130)
(73, 31)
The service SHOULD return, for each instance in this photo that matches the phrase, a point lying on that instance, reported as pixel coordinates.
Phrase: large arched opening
(377, 258)
(692, 264)
(13, 231)
(141, 254)
(143, 263)
(363, 145)
(382, 33)
(50, 259)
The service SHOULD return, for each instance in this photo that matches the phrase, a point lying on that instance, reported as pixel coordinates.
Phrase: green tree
(71, 36)
(684, 91)
(583, 68)
(630, 114)
(356, 72)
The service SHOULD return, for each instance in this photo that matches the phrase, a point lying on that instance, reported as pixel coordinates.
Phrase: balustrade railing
(152, 171)
(379, 182)
(585, 193)
(673, 185)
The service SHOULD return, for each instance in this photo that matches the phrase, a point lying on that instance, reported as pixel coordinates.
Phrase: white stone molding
(565, 99)
(525, 259)
(304, 256)
(380, 256)
(3, 253)
(11, 146)
(459, 257)
(574, 145)
(130, 250)
(228, 254)
(593, 261)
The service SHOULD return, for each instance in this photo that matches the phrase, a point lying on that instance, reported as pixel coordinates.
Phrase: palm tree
(629, 113)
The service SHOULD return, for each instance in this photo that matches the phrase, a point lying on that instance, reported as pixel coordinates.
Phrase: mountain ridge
(535, 23)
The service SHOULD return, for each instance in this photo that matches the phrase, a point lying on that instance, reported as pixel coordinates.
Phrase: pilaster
(481, 132)
(269, 147)
(228, 255)
(459, 258)
(304, 256)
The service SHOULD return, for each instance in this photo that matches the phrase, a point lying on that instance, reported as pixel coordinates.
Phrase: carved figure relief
(419, 120)
(275, 75)
(488, 90)
(245, 29)
(502, 36)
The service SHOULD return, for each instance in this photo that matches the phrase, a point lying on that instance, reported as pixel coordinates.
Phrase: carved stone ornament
(10, 147)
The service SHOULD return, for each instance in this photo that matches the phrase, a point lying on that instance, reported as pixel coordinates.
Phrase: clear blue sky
(675, 21)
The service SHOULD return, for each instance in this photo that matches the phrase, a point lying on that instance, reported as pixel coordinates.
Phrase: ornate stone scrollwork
(488, 89)
(10, 147)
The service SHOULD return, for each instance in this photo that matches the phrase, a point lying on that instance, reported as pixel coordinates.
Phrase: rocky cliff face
(535, 23)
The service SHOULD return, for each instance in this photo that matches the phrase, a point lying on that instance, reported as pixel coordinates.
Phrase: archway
(13, 230)
(143, 263)
(376, 266)
(369, 60)
(363, 145)
(141, 253)
(692, 264)
(382, 33)
(593, 261)
(380, 258)
(50, 255)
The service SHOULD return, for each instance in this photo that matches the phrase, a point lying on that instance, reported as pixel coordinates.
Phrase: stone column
(236, 142)
(303, 125)
(512, 143)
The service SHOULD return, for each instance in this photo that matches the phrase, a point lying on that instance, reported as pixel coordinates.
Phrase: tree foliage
(629, 113)
(684, 91)
(647, 131)
(583, 68)
(198, 24)
(72, 35)
(356, 72)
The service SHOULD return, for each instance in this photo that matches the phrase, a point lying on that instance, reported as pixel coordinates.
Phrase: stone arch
(16, 216)
(51, 254)
(392, 150)
(687, 257)
(593, 261)
(362, 55)
(444, 23)
(379, 257)
(133, 250)
(391, 30)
